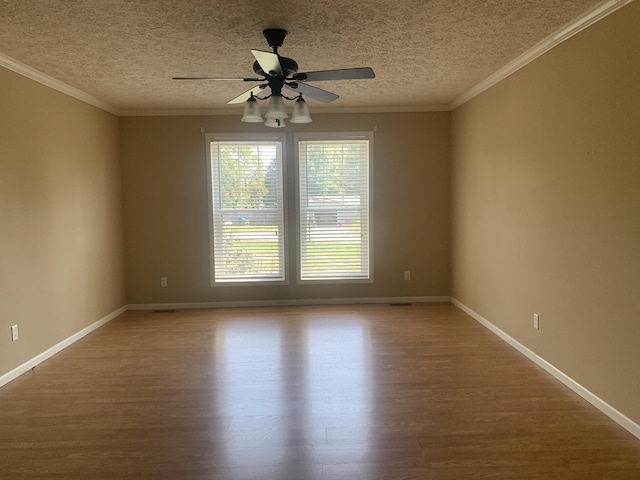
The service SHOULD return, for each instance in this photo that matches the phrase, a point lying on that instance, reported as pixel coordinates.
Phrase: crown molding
(590, 17)
(323, 110)
(36, 75)
(46, 80)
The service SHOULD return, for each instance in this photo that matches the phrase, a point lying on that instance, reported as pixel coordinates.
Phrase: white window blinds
(334, 208)
(247, 210)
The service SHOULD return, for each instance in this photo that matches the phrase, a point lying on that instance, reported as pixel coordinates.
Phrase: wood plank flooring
(302, 393)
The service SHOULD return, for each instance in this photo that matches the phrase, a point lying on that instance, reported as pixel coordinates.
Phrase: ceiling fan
(277, 73)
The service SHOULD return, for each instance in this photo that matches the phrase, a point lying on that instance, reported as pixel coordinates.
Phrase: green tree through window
(334, 204)
(242, 173)
(248, 220)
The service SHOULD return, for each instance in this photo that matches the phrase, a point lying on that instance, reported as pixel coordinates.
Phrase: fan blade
(219, 78)
(269, 62)
(246, 95)
(343, 74)
(312, 92)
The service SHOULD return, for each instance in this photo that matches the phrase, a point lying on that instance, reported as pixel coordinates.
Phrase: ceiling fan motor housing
(289, 67)
(282, 72)
(275, 37)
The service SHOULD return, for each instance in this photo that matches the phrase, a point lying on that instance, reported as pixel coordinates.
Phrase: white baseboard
(286, 303)
(593, 399)
(597, 402)
(16, 372)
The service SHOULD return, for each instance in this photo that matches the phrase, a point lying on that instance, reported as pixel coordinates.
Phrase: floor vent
(164, 311)
(399, 304)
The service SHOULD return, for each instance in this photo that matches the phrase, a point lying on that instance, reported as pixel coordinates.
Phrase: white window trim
(333, 136)
(212, 137)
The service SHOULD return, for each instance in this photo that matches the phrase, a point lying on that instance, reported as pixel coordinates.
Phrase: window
(247, 209)
(334, 206)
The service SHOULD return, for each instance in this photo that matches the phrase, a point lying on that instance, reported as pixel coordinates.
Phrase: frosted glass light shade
(252, 112)
(275, 122)
(300, 112)
(276, 108)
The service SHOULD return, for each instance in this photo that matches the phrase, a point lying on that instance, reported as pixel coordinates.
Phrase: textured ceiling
(124, 52)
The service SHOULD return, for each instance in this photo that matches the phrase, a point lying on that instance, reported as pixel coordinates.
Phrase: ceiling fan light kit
(281, 72)
(276, 107)
(252, 111)
(300, 112)
(275, 123)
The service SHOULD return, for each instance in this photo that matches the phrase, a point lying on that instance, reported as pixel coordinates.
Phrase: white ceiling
(425, 54)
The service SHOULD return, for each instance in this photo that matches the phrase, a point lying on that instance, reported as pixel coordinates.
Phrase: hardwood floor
(322, 393)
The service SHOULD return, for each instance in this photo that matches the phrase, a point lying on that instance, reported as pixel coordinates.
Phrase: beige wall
(543, 178)
(546, 207)
(60, 217)
(166, 218)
